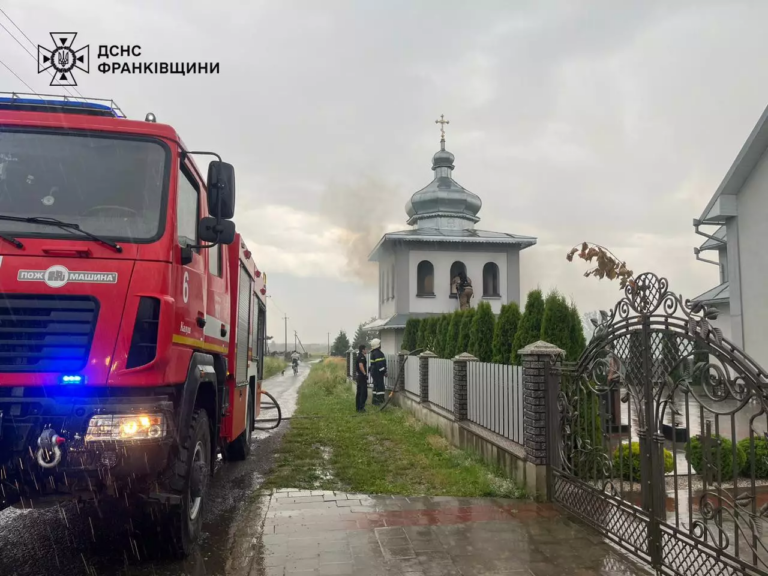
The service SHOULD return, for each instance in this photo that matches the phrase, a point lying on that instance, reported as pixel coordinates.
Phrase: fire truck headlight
(119, 427)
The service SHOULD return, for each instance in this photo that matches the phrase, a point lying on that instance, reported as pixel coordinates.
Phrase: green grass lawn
(273, 365)
(331, 447)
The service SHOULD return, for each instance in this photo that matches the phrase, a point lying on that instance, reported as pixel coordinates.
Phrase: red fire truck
(132, 315)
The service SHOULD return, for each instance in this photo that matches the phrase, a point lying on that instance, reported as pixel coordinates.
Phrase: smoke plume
(364, 210)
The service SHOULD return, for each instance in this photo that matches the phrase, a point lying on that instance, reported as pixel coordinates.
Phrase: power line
(34, 58)
(17, 76)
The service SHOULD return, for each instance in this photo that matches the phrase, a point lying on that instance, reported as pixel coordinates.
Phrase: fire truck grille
(44, 333)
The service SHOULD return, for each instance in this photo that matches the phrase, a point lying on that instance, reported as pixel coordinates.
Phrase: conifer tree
(529, 329)
(577, 339)
(481, 336)
(423, 338)
(454, 329)
(411, 334)
(506, 327)
(465, 332)
(556, 322)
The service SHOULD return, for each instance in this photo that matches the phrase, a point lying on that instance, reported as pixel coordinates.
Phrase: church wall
(513, 275)
(402, 281)
(387, 286)
(474, 260)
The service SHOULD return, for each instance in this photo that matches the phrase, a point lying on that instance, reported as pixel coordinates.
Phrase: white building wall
(387, 283)
(442, 261)
(753, 261)
(723, 321)
(389, 344)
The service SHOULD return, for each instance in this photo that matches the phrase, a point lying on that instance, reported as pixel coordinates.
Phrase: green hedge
(621, 461)
(760, 454)
(695, 454)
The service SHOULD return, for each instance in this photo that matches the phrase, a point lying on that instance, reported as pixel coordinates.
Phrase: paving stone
(334, 533)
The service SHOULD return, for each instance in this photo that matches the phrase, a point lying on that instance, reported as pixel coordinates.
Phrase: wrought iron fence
(495, 398)
(412, 375)
(441, 383)
(660, 437)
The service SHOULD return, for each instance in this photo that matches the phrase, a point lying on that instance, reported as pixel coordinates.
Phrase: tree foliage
(606, 264)
(363, 337)
(556, 322)
(578, 343)
(481, 336)
(340, 344)
(529, 330)
(423, 338)
(411, 334)
(465, 332)
(504, 333)
(454, 332)
(441, 340)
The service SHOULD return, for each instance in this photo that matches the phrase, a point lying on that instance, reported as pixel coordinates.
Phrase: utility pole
(329, 343)
(285, 352)
(295, 336)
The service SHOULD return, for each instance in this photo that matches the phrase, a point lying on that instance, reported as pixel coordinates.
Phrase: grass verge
(331, 447)
(273, 365)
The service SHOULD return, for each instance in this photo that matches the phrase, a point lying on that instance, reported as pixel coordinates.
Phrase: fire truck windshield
(111, 186)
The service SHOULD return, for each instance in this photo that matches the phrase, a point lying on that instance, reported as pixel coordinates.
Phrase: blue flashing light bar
(61, 104)
(72, 379)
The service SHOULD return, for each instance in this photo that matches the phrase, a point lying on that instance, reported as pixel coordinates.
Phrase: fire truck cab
(132, 314)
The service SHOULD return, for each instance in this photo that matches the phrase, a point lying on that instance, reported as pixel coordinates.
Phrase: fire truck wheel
(240, 447)
(191, 474)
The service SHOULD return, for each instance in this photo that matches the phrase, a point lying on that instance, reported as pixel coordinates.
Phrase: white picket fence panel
(441, 383)
(412, 375)
(495, 398)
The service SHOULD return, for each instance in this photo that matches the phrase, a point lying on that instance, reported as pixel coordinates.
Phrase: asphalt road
(109, 542)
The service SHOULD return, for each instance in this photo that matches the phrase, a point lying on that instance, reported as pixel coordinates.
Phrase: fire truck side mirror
(216, 231)
(221, 190)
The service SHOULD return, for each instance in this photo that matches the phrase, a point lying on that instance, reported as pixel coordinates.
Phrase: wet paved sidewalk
(332, 534)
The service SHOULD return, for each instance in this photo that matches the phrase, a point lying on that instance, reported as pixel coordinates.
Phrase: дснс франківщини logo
(63, 59)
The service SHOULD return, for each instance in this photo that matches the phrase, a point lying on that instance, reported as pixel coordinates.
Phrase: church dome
(443, 197)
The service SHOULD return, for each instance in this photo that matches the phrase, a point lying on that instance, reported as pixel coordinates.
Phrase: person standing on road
(378, 372)
(361, 376)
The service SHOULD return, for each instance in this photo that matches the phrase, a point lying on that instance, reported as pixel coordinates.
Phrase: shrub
(578, 343)
(422, 341)
(465, 331)
(454, 330)
(481, 336)
(760, 457)
(505, 330)
(529, 330)
(621, 461)
(588, 435)
(411, 334)
(695, 454)
(556, 321)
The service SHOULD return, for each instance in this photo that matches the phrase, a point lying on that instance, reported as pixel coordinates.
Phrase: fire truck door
(190, 293)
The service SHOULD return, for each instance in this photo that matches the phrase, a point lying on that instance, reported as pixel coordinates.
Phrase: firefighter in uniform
(465, 291)
(361, 377)
(378, 370)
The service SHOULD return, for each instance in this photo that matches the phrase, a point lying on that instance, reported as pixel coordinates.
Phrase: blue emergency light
(72, 379)
(62, 105)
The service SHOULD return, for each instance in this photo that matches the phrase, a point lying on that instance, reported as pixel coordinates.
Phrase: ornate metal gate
(660, 438)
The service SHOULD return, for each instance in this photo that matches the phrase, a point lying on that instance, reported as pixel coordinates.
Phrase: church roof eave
(452, 237)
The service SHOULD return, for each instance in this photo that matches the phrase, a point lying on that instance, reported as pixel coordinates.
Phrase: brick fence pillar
(460, 364)
(424, 375)
(537, 358)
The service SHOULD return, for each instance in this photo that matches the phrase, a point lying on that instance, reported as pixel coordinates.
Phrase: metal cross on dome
(442, 123)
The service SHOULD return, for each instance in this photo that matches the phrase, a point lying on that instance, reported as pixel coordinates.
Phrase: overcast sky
(612, 122)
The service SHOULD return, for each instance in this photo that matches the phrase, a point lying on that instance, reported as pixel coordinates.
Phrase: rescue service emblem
(57, 276)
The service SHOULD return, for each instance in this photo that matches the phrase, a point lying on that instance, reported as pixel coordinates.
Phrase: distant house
(735, 224)
(416, 266)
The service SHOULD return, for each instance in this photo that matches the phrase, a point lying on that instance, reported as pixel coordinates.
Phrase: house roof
(717, 294)
(464, 236)
(394, 322)
(742, 167)
(711, 244)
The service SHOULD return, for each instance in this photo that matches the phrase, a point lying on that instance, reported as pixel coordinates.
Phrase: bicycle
(400, 377)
